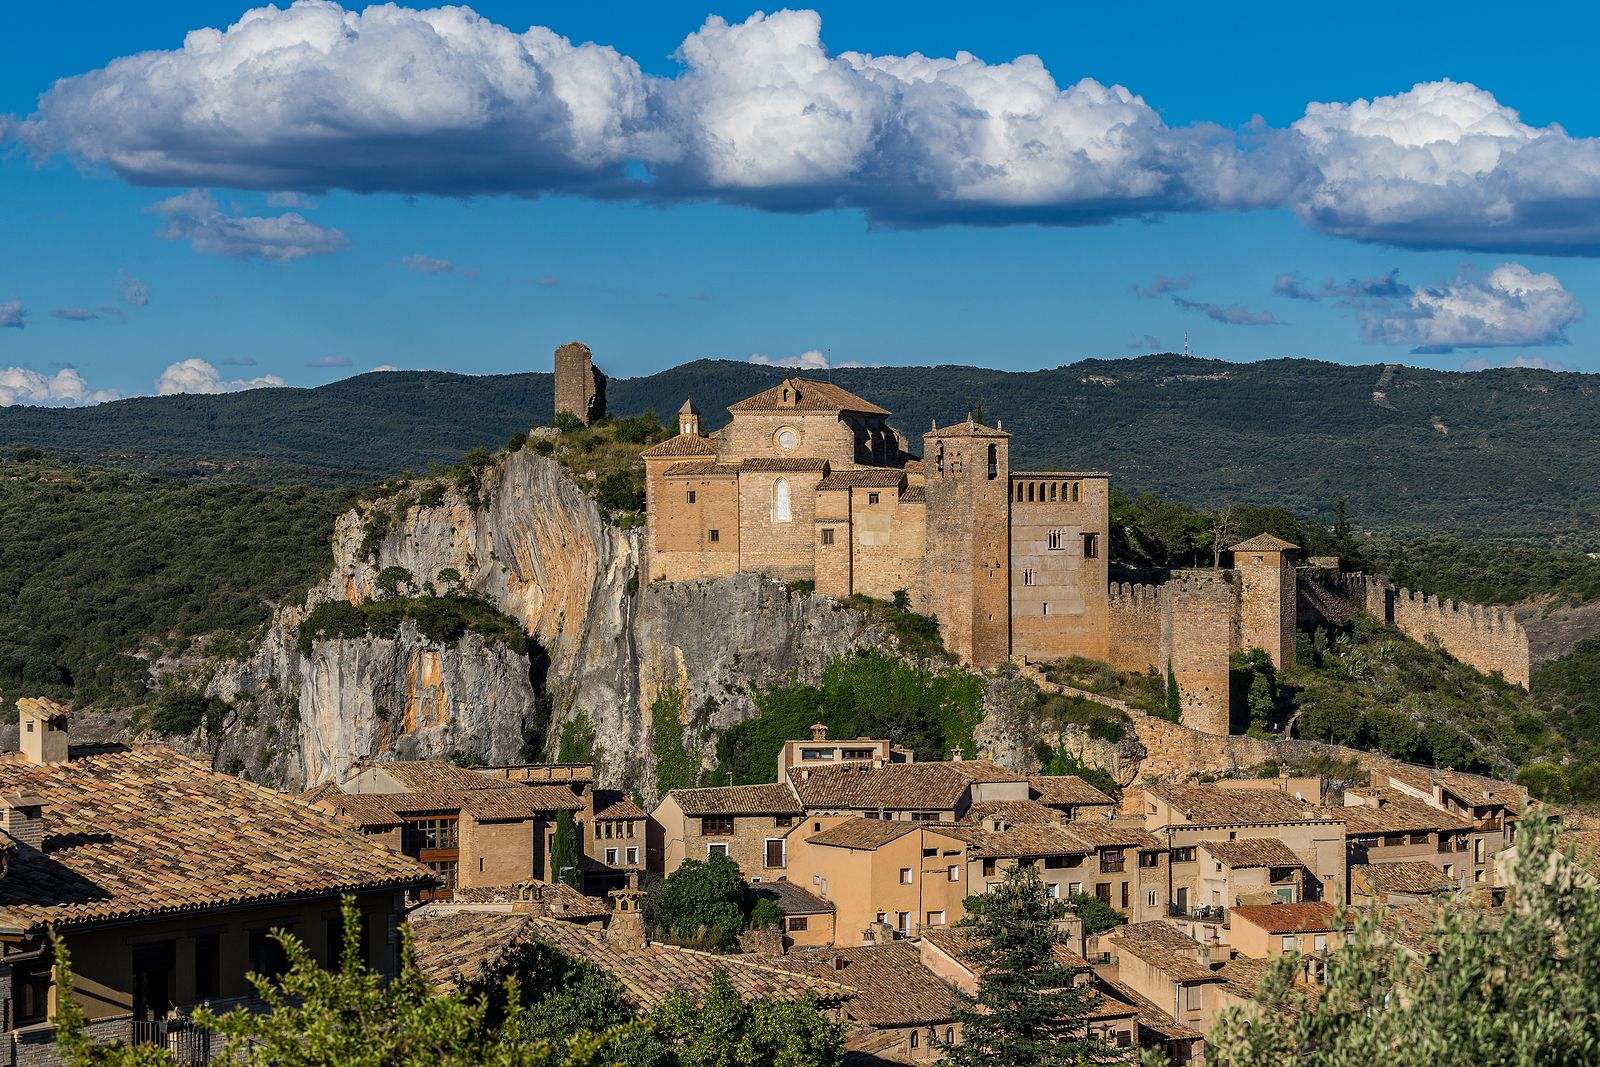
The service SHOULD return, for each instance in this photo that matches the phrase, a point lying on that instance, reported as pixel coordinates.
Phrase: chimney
(955, 754)
(626, 929)
(819, 732)
(22, 818)
(42, 730)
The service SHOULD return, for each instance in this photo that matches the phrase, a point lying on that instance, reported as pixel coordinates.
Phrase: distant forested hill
(1504, 455)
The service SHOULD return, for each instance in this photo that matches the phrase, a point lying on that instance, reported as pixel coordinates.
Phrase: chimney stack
(42, 730)
(627, 915)
(819, 732)
(22, 818)
(956, 754)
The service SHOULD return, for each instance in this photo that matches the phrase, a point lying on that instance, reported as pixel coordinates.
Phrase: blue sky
(682, 208)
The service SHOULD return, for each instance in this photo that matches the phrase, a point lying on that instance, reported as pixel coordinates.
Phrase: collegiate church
(810, 482)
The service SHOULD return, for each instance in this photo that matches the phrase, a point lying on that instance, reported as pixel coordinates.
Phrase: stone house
(1070, 795)
(818, 751)
(750, 824)
(1187, 817)
(1251, 870)
(164, 879)
(1265, 931)
(1167, 967)
(1491, 806)
(882, 876)
(1406, 882)
(614, 838)
(808, 920)
(1385, 826)
(472, 828)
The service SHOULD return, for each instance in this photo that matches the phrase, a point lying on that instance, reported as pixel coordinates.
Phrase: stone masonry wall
(1486, 637)
(1134, 628)
(1199, 629)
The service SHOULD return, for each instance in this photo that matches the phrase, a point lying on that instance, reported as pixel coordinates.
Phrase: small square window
(827, 536)
(714, 536)
(905, 875)
(872, 498)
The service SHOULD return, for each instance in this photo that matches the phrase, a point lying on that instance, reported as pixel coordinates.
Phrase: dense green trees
(867, 694)
(1507, 989)
(564, 852)
(1029, 1009)
(438, 618)
(702, 901)
(98, 569)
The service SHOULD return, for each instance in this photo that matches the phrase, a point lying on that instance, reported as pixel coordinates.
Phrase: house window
(1052, 890)
(1125, 897)
(633, 856)
(988, 868)
(716, 826)
(913, 1039)
(949, 1035)
(208, 962)
(872, 498)
(1027, 576)
(1091, 546)
(1183, 855)
(713, 536)
(1288, 942)
(1102, 890)
(904, 925)
(691, 496)
(1046, 610)
(611, 857)
(953, 872)
(31, 983)
(1074, 888)
(827, 535)
(905, 875)
(431, 833)
(1150, 900)
(775, 852)
(445, 871)
(782, 821)
(1054, 541)
(786, 437)
(716, 848)
(1111, 860)
(1321, 942)
(935, 918)
(797, 922)
(1149, 859)
(1075, 492)
(266, 954)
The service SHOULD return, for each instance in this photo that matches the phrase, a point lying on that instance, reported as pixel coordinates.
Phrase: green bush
(566, 422)
(1547, 781)
(1056, 761)
(179, 710)
(700, 901)
(1097, 915)
(441, 619)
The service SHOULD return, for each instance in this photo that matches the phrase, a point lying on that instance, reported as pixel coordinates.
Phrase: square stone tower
(580, 388)
(1267, 596)
(966, 471)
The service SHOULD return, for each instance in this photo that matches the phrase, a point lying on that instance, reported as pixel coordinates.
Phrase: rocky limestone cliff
(537, 546)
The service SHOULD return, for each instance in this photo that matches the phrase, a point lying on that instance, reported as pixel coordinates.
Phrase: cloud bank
(13, 315)
(761, 113)
(1508, 306)
(198, 376)
(196, 217)
(813, 359)
(64, 388)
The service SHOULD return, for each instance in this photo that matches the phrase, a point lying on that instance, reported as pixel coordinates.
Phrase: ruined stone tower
(1267, 597)
(580, 388)
(968, 555)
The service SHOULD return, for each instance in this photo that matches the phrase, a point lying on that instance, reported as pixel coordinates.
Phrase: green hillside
(1505, 455)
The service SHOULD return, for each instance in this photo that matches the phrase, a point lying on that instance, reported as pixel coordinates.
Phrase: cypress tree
(1174, 700)
(1028, 1010)
(564, 852)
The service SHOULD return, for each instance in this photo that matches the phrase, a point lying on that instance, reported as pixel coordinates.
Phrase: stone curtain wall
(1488, 638)
(1133, 626)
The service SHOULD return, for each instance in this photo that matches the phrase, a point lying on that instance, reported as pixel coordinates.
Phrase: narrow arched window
(1075, 492)
(780, 500)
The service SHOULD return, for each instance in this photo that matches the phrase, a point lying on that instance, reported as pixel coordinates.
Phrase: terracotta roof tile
(1289, 918)
(1210, 805)
(864, 833)
(1264, 542)
(783, 463)
(706, 468)
(648, 973)
(1253, 852)
(914, 494)
(462, 948)
(893, 986)
(612, 804)
(685, 444)
(892, 787)
(550, 900)
(954, 941)
(791, 898)
(1149, 1017)
(808, 395)
(1066, 790)
(1411, 876)
(1029, 839)
(1108, 833)
(1013, 812)
(865, 478)
(1473, 788)
(146, 831)
(1395, 812)
(1165, 948)
(1243, 976)
(980, 770)
(966, 429)
(738, 800)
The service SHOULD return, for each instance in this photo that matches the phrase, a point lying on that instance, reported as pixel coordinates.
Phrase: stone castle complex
(809, 482)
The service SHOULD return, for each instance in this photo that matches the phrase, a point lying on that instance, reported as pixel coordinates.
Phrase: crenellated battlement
(1135, 598)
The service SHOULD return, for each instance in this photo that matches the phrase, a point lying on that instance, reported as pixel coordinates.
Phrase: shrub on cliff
(440, 619)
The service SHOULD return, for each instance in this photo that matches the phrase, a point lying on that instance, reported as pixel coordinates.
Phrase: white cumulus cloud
(198, 376)
(1509, 306)
(196, 217)
(64, 388)
(1446, 165)
(812, 359)
(13, 315)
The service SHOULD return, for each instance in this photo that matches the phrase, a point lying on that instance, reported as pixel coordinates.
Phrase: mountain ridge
(1506, 454)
